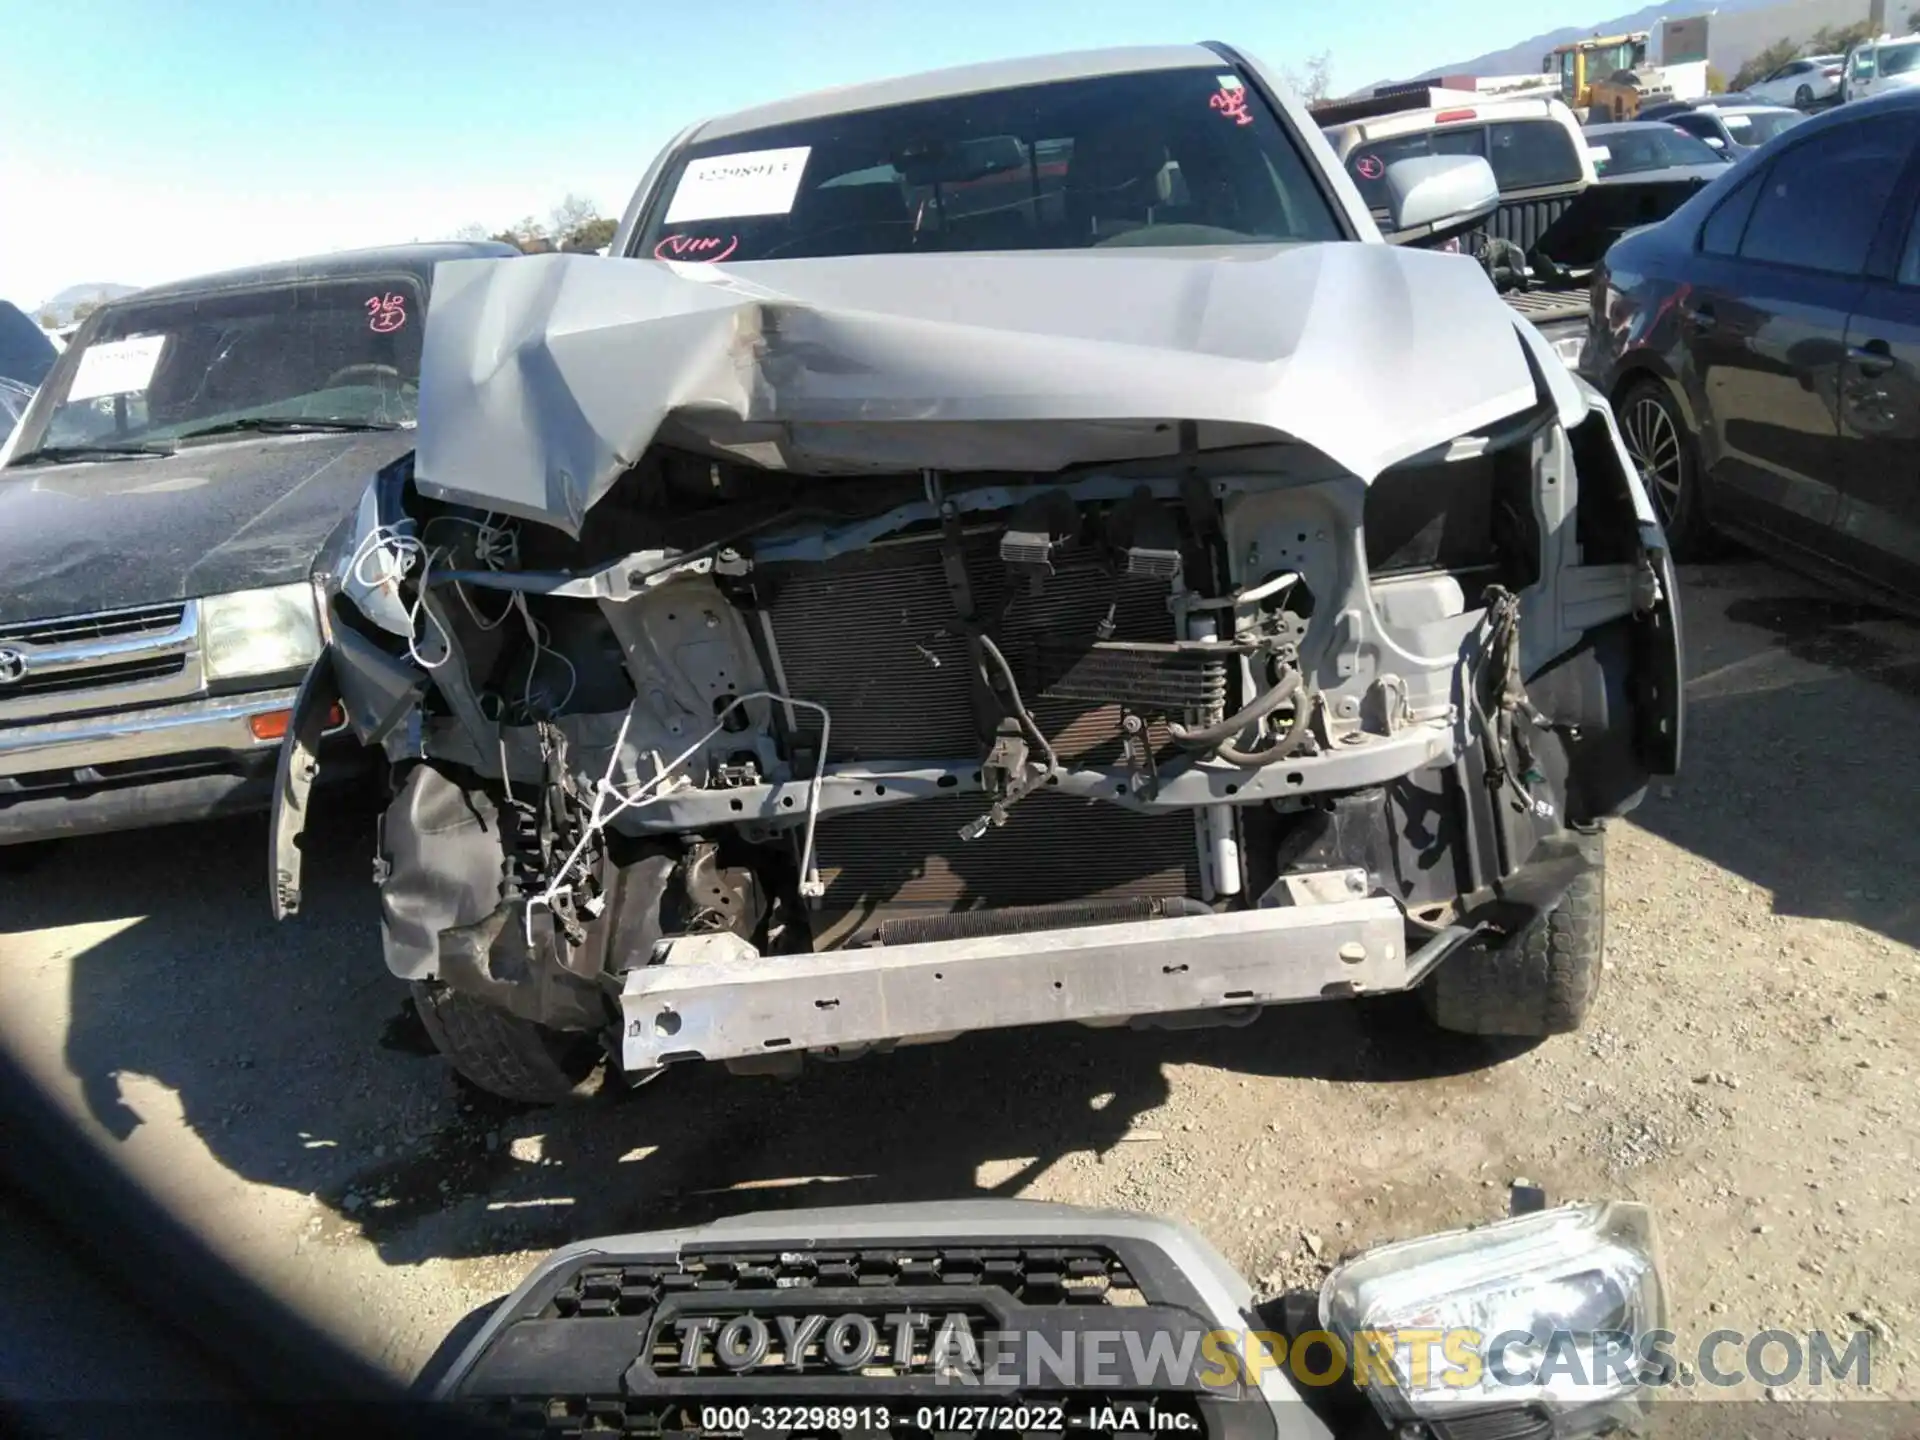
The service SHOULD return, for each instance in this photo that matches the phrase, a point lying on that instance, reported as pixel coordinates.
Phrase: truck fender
(293, 779)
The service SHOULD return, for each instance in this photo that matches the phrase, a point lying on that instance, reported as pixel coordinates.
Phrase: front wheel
(1669, 463)
(502, 1053)
(1803, 98)
(1539, 982)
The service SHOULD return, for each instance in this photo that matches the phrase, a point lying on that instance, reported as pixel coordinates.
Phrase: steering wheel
(368, 368)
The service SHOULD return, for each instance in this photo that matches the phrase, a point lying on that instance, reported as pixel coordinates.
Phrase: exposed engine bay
(756, 745)
(825, 713)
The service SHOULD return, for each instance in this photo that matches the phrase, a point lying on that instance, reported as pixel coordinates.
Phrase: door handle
(1875, 357)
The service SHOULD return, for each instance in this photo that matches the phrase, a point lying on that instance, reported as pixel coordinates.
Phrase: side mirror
(1433, 197)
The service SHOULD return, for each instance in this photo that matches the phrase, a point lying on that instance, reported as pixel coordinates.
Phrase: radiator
(872, 637)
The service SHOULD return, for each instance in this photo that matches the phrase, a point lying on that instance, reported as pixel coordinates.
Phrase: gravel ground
(1749, 1070)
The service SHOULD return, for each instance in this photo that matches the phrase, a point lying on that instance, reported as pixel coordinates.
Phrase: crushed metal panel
(546, 377)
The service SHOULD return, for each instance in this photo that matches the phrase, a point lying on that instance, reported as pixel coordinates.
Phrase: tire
(31, 855)
(1669, 461)
(1539, 982)
(501, 1053)
(1803, 98)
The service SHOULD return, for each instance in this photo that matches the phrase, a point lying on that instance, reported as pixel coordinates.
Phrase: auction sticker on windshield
(753, 182)
(118, 367)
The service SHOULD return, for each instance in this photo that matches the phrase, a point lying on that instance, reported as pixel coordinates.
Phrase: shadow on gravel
(292, 1059)
(296, 1061)
(982, 1115)
(1801, 766)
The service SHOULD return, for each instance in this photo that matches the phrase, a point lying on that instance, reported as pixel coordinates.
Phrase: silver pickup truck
(1002, 546)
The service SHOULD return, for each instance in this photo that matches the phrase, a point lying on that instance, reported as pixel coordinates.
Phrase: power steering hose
(1286, 745)
(1209, 736)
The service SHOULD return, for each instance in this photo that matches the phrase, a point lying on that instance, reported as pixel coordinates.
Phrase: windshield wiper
(56, 454)
(287, 425)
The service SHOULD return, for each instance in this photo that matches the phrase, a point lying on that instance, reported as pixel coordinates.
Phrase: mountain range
(1737, 30)
(62, 306)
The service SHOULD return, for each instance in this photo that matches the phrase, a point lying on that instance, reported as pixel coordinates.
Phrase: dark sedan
(1762, 350)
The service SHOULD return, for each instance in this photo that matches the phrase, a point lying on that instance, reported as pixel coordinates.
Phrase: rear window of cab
(1524, 154)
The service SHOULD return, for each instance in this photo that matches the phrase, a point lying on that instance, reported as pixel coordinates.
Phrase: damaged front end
(860, 679)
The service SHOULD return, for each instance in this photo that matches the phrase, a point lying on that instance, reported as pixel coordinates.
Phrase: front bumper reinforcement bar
(713, 997)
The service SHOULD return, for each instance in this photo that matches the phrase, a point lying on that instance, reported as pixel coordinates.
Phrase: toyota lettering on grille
(13, 665)
(905, 1342)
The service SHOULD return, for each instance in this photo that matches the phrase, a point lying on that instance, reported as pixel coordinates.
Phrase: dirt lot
(1750, 1069)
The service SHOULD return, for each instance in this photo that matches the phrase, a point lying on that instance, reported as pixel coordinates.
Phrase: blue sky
(156, 138)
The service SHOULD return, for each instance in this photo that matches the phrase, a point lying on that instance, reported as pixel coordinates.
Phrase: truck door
(1766, 329)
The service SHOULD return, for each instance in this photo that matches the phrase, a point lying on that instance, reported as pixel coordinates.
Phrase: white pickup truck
(1555, 219)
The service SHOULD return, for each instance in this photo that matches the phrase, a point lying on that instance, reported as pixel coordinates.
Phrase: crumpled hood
(211, 518)
(545, 377)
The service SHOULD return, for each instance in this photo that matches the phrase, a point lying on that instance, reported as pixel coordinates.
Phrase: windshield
(1899, 59)
(1757, 127)
(345, 352)
(1604, 62)
(1166, 157)
(1650, 147)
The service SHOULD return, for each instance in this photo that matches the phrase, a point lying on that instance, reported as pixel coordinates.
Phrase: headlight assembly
(1551, 1311)
(259, 632)
(1570, 348)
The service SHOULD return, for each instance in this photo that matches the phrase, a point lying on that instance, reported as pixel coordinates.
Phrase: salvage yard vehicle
(1801, 83)
(1535, 146)
(1637, 149)
(887, 604)
(931, 1319)
(1762, 348)
(1540, 245)
(1735, 125)
(1876, 67)
(162, 502)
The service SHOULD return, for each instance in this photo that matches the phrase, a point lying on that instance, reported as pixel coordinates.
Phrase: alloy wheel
(1654, 442)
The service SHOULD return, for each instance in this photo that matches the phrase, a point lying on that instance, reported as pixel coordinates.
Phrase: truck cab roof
(418, 259)
(1470, 110)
